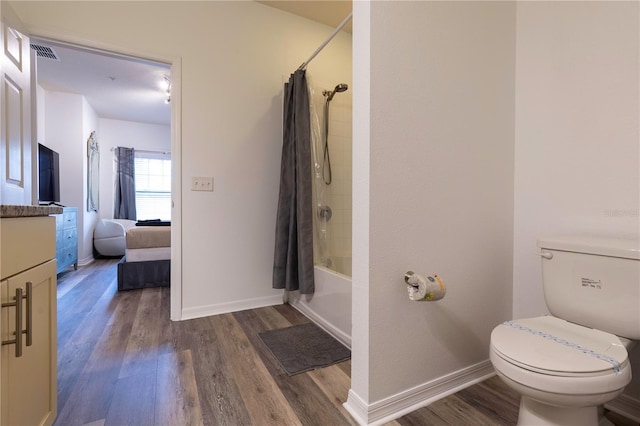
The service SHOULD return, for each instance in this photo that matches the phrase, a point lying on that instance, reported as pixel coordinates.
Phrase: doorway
(132, 102)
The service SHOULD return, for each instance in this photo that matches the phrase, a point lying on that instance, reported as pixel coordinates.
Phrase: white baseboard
(625, 406)
(402, 403)
(85, 261)
(305, 310)
(224, 308)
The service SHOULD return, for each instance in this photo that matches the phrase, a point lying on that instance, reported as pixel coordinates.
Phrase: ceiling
(124, 88)
(116, 87)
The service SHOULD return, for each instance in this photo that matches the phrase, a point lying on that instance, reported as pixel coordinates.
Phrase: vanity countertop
(7, 210)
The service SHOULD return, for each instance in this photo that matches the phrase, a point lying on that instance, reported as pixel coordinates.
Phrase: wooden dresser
(28, 358)
(67, 238)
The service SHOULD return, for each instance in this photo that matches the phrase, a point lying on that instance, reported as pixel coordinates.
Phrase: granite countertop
(7, 210)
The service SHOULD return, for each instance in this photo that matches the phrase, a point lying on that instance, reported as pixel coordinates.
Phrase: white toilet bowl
(562, 370)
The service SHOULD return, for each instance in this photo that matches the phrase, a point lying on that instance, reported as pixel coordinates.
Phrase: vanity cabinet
(67, 238)
(28, 370)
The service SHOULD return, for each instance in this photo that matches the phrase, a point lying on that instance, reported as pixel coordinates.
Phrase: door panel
(15, 112)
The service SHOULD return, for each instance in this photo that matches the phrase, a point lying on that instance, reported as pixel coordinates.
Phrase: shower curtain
(293, 257)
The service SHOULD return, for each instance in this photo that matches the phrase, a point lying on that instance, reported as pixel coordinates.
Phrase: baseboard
(402, 403)
(224, 308)
(342, 337)
(625, 406)
(86, 261)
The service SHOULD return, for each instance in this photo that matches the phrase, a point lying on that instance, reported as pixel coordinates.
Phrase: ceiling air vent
(45, 52)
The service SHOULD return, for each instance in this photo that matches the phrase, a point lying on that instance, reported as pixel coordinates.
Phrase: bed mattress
(147, 254)
(143, 237)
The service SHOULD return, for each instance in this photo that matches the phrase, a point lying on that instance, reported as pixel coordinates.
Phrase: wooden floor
(121, 361)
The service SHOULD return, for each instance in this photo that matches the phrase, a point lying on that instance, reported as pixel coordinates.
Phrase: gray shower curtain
(124, 206)
(293, 259)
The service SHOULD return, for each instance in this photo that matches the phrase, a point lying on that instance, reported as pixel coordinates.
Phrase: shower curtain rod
(333, 34)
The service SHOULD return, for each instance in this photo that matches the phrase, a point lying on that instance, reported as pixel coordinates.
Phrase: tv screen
(48, 175)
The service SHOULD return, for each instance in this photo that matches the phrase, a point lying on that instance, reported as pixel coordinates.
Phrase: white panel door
(15, 109)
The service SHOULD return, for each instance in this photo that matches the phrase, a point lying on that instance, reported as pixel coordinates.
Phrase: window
(153, 185)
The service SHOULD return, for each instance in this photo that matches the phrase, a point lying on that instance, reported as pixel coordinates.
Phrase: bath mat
(304, 347)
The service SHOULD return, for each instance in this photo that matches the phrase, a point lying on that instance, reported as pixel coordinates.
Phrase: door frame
(175, 63)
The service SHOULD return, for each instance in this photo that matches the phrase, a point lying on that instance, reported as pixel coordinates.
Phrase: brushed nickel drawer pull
(18, 332)
(29, 297)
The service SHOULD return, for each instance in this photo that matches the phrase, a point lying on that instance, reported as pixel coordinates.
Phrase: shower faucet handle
(324, 212)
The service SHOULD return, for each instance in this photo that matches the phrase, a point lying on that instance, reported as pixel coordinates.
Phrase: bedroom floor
(121, 361)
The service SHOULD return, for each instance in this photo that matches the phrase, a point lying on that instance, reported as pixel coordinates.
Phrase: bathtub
(330, 305)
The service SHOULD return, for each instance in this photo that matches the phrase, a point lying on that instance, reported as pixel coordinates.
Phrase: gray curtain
(293, 259)
(125, 187)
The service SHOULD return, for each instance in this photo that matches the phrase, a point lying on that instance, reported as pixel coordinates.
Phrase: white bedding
(146, 254)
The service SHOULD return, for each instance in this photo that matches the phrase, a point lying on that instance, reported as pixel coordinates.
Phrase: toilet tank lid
(615, 247)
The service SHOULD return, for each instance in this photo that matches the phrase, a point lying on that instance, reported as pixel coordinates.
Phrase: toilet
(568, 364)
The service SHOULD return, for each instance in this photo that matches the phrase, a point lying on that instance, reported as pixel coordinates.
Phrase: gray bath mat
(304, 347)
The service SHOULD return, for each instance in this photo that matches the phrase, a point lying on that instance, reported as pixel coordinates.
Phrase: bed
(147, 259)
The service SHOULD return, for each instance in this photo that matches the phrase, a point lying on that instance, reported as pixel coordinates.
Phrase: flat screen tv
(48, 175)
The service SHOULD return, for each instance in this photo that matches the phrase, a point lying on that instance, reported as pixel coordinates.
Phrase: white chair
(109, 236)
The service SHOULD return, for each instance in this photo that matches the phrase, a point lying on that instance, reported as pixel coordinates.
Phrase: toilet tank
(593, 282)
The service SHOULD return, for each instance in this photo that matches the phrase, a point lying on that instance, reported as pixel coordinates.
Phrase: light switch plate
(200, 183)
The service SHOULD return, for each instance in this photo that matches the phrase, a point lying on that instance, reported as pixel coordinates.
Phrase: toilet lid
(558, 347)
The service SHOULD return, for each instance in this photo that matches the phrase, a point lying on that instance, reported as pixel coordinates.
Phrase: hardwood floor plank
(304, 396)
(133, 401)
(142, 346)
(220, 399)
(272, 318)
(446, 412)
(177, 400)
(78, 303)
(92, 392)
(84, 333)
(500, 408)
(335, 384)
(262, 398)
(291, 314)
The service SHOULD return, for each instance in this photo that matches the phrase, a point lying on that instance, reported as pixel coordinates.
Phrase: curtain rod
(333, 34)
(147, 151)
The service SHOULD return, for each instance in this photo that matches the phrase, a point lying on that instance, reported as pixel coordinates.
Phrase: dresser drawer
(67, 256)
(69, 238)
(69, 219)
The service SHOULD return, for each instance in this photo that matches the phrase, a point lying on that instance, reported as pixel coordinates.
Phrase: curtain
(293, 258)
(124, 206)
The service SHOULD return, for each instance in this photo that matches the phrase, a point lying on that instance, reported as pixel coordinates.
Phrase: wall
(232, 64)
(68, 119)
(114, 133)
(440, 194)
(577, 133)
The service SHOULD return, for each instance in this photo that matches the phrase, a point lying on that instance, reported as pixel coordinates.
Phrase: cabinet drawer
(66, 257)
(69, 219)
(25, 242)
(69, 238)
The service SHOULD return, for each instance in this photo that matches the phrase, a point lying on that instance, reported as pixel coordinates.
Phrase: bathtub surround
(330, 305)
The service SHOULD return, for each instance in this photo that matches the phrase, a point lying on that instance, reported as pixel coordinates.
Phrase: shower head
(339, 88)
(342, 87)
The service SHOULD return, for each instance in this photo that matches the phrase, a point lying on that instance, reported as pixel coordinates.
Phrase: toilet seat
(554, 355)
